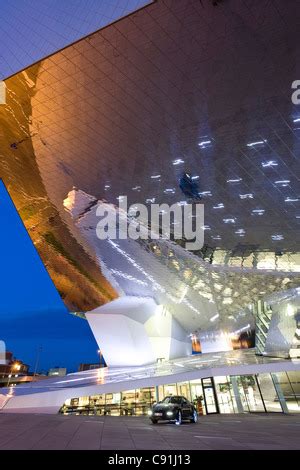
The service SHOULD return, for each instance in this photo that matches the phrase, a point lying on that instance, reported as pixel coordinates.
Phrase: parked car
(173, 408)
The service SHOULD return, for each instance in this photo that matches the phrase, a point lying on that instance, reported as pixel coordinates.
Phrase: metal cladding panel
(176, 87)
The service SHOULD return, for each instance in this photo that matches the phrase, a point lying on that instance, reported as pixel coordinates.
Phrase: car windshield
(176, 400)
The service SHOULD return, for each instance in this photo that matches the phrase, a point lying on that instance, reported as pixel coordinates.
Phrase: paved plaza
(251, 431)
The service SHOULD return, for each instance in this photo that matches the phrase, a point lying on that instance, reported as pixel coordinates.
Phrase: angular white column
(134, 331)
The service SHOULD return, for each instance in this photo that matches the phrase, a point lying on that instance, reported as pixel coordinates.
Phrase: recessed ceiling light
(155, 177)
(277, 237)
(215, 317)
(229, 221)
(282, 182)
(291, 199)
(177, 162)
(235, 180)
(258, 211)
(259, 142)
(269, 163)
(169, 191)
(204, 143)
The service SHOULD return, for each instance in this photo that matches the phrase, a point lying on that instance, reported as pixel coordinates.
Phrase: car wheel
(154, 421)
(194, 418)
(178, 419)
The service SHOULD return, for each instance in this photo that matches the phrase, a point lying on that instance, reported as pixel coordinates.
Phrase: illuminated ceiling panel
(199, 295)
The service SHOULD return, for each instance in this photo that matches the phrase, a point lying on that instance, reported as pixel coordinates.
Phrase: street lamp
(16, 366)
(39, 350)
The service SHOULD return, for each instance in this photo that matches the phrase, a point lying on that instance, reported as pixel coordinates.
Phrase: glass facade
(290, 385)
(129, 403)
(250, 393)
(223, 394)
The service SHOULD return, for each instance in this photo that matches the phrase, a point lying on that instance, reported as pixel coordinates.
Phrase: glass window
(250, 393)
(269, 393)
(294, 378)
(184, 390)
(112, 404)
(174, 400)
(128, 400)
(225, 395)
(97, 405)
(145, 397)
(197, 396)
(161, 393)
(170, 390)
(288, 391)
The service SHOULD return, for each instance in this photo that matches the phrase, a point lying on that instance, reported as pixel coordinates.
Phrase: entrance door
(224, 394)
(210, 398)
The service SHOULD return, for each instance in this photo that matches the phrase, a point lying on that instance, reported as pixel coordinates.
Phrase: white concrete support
(134, 331)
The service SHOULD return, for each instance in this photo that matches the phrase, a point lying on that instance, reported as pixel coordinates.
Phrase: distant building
(14, 371)
(83, 367)
(8, 357)
(12, 366)
(59, 371)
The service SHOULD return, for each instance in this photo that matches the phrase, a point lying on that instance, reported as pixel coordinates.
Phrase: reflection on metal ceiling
(177, 87)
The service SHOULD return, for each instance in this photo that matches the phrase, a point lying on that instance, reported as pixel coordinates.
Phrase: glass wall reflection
(290, 386)
(211, 395)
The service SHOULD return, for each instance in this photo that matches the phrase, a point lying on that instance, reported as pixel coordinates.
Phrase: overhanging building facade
(176, 87)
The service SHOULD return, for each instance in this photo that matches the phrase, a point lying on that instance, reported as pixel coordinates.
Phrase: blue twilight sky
(33, 29)
(32, 313)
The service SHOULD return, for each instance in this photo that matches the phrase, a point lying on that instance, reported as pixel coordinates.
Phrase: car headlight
(150, 412)
(169, 413)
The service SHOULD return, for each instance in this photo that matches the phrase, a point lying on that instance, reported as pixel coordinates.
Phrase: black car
(173, 408)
